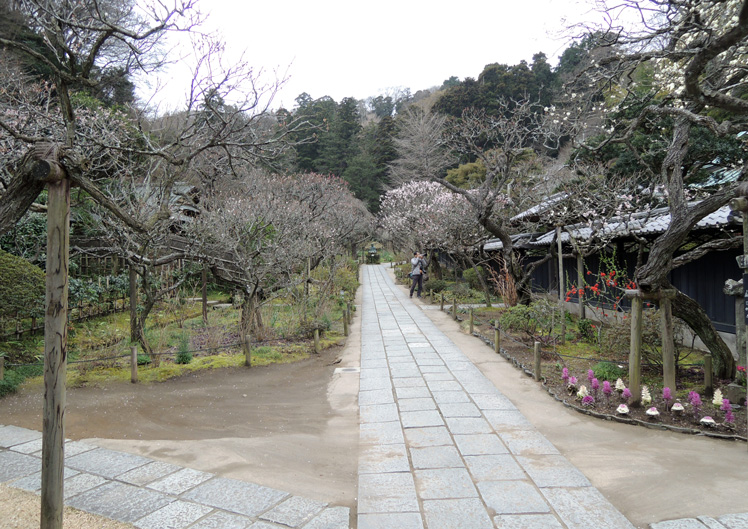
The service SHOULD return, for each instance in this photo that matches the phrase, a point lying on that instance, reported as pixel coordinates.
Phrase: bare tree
(258, 232)
(423, 151)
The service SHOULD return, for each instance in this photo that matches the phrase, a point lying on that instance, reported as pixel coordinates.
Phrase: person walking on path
(416, 274)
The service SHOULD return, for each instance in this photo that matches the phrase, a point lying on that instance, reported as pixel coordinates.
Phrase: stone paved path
(441, 446)
(156, 495)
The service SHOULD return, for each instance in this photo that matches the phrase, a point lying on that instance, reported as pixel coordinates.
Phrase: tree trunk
(483, 283)
(251, 321)
(691, 312)
(22, 190)
(436, 268)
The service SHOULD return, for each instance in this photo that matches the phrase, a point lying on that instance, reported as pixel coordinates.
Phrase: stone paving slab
(13, 435)
(176, 515)
(157, 495)
(294, 511)
(236, 496)
(14, 465)
(105, 462)
(120, 501)
(445, 483)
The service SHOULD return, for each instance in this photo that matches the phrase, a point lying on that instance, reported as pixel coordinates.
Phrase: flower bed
(596, 400)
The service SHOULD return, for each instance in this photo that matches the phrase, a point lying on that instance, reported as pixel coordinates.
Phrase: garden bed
(520, 353)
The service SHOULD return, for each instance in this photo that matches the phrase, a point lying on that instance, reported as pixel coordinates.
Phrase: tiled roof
(650, 223)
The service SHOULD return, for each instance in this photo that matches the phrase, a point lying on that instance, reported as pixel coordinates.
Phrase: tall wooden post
(580, 285)
(561, 289)
(472, 322)
(536, 361)
(133, 304)
(2, 368)
(204, 292)
(133, 364)
(635, 353)
(668, 340)
(247, 346)
(496, 338)
(55, 348)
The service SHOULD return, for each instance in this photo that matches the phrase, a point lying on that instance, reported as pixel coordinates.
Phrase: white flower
(652, 412)
(620, 386)
(717, 400)
(582, 393)
(646, 397)
(677, 407)
(622, 409)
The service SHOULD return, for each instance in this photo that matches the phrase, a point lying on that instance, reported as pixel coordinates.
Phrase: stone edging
(606, 416)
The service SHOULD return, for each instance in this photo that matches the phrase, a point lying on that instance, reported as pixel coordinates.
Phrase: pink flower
(626, 393)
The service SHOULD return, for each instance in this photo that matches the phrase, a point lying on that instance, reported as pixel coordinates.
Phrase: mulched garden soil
(521, 355)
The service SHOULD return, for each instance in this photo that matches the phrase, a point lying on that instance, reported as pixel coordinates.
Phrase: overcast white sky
(349, 48)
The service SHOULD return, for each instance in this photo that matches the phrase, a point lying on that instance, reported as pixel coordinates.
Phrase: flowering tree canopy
(422, 214)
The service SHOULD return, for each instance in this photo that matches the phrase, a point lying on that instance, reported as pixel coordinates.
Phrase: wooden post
(345, 321)
(133, 364)
(133, 304)
(536, 362)
(247, 346)
(55, 348)
(708, 375)
(431, 296)
(561, 289)
(635, 353)
(204, 278)
(454, 308)
(668, 341)
(472, 322)
(441, 307)
(2, 368)
(496, 338)
(740, 331)
(580, 285)
(350, 313)
(316, 341)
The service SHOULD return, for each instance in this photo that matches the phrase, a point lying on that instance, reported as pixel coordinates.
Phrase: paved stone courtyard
(441, 448)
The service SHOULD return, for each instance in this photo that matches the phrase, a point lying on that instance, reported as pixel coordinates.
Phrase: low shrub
(144, 360)
(536, 320)
(586, 330)
(184, 356)
(608, 371)
(437, 285)
(472, 279)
